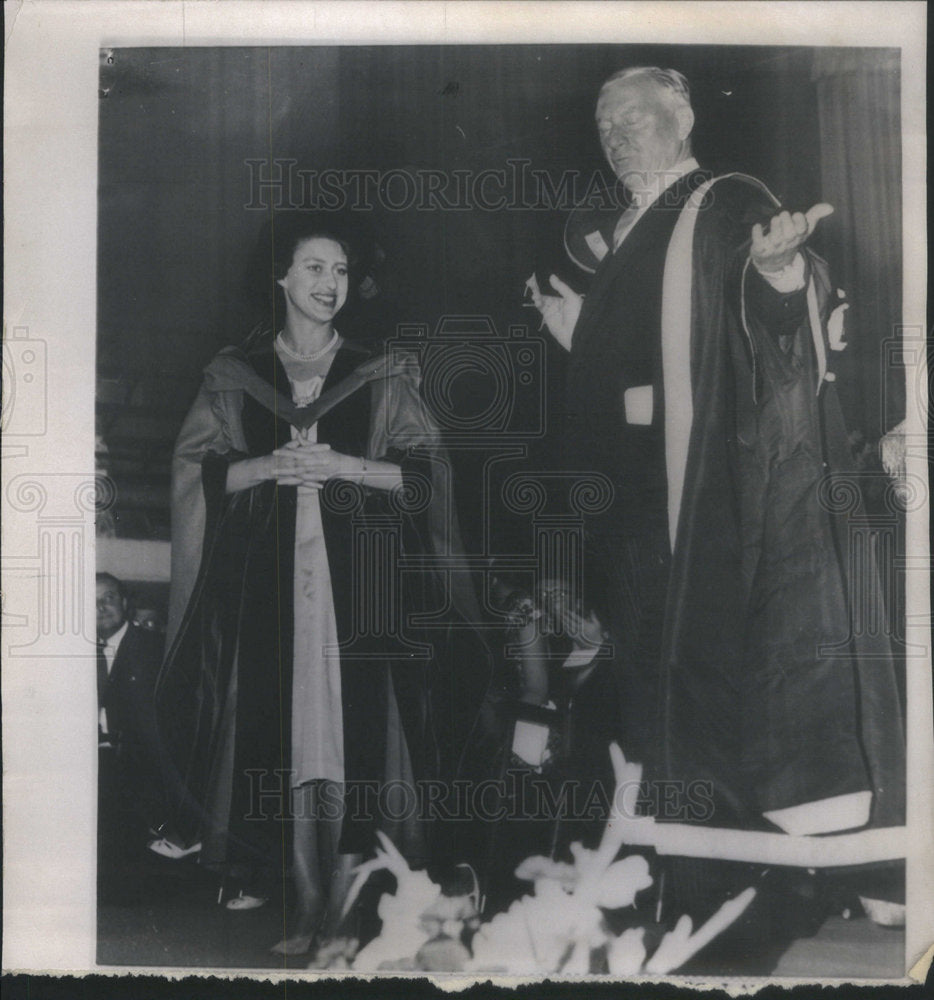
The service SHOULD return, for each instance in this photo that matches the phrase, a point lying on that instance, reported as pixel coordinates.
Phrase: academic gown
(724, 565)
(225, 691)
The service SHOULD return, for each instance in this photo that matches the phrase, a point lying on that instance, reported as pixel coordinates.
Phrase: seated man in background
(129, 782)
(555, 725)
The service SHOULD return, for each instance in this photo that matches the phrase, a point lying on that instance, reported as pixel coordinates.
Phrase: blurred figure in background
(130, 801)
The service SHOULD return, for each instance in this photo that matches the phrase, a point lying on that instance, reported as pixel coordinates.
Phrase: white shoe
(883, 912)
(244, 902)
(166, 849)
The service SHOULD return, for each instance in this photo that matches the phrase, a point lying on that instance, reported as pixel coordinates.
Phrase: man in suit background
(129, 782)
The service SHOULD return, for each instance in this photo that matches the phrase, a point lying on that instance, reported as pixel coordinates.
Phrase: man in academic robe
(700, 382)
(129, 782)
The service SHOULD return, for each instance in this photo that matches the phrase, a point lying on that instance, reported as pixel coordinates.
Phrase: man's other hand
(559, 312)
(776, 249)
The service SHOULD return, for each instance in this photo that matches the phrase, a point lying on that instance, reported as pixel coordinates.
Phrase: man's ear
(685, 118)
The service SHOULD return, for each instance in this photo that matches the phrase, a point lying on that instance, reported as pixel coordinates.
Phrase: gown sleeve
(211, 428)
(404, 431)
(399, 418)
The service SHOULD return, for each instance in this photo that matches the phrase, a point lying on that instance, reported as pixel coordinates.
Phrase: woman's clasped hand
(307, 463)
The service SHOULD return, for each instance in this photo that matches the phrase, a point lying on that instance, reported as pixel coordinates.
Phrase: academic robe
(724, 565)
(225, 691)
(615, 364)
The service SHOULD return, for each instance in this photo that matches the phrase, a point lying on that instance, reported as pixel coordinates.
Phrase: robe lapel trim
(677, 294)
(672, 199)
(232, 369)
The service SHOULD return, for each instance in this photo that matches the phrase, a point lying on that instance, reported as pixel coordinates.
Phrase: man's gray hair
(669, 80)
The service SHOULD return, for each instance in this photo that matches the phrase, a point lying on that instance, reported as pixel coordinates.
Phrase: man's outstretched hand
(559, 312)
(775, 249)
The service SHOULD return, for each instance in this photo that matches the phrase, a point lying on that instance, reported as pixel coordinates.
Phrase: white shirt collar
(662, 181)
(642, 201)
(114, 641)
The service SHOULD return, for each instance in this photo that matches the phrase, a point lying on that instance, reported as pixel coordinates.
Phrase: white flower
(585, 860)
(539, 867)
(402, 933)
(622, 881)
(536, 933)
(674, 948)
(505, 944)
(678, 945)
(626, 953)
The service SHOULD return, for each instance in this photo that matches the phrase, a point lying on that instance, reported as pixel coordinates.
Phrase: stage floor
(169, 917)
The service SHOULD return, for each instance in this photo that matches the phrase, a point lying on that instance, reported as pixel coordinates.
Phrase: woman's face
(316, 283)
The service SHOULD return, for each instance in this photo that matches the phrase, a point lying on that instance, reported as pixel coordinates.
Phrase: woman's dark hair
(290, 230)
(281, 234)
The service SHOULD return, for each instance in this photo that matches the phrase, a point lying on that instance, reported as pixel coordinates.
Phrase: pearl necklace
(314, 356)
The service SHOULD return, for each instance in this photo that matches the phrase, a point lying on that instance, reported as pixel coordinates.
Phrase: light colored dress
(317, 714)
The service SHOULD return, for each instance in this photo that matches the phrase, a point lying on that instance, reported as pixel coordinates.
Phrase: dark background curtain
(186, 134)
(858, 94)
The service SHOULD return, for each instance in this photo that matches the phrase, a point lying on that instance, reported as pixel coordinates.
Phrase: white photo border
(50, 202)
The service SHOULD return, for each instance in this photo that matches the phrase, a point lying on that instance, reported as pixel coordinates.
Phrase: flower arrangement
(559, 927)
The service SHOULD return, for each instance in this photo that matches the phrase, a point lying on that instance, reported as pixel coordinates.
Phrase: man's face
(640, 131)
(111, 609)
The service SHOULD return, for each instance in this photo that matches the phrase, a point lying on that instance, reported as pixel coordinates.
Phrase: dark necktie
(101, 675)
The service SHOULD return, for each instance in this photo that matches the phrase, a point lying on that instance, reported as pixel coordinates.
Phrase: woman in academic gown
(306, 469)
